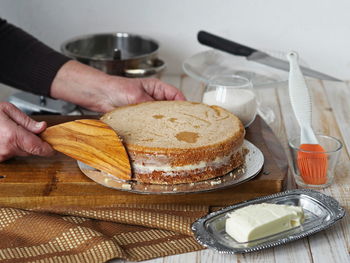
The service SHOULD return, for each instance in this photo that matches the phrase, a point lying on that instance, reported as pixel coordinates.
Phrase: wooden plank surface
(332, 245)
(332, 241)
(328, 246)
(34, 181)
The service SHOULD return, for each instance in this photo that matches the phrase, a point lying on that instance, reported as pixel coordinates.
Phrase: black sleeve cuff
(43, 72)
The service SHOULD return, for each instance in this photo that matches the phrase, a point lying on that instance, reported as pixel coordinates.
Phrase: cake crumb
(126, 186)
(215, 182)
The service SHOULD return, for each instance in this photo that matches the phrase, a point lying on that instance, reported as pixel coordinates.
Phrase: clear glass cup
(235, 94)
(332, 148)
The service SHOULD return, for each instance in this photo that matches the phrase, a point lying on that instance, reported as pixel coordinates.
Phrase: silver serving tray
(321, 211)
(254, 161)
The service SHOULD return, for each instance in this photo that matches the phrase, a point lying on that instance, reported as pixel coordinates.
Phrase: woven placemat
(76, 234)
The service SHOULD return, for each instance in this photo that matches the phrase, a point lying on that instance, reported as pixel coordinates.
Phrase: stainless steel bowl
(120, 54)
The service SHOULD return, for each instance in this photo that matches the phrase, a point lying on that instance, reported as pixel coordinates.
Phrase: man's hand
(123, 91)
(17, 134)
(97, 91)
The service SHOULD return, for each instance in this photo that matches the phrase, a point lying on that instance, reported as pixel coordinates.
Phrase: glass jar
(235, 94)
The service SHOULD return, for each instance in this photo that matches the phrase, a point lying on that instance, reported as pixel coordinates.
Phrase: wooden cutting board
(27, 182)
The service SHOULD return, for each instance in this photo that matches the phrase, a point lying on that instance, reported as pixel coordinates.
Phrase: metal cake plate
(254, 161)
(321, 211)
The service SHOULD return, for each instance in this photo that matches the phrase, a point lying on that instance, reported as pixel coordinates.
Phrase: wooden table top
(330, 117)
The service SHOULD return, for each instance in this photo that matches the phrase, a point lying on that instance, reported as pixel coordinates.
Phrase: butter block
(261, 220)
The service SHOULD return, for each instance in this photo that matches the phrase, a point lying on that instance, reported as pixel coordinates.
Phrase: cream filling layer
(172, 170)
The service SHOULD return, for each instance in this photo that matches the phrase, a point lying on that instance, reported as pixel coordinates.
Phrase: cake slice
(172, 142)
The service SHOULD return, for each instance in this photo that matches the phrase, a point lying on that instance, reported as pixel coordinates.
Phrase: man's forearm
(80, 84)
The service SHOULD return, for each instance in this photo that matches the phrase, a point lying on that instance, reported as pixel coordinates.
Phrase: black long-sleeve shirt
(25, 62)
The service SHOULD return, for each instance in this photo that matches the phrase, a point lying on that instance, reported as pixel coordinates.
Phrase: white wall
(318, 29)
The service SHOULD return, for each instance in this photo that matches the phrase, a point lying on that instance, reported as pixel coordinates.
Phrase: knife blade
(252, 54)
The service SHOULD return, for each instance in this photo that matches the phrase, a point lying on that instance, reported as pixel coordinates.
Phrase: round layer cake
(173, 142)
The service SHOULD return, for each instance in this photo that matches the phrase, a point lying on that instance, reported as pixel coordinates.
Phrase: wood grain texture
(332, 117)
(330, 245)
(92, 142)
(335, 241)
(297, 251)
(34, 181)
(269, 97)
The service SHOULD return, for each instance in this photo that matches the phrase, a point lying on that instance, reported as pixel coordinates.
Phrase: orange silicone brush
(312, 159)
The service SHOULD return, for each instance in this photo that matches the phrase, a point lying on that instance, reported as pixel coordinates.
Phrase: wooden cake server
(91, 142)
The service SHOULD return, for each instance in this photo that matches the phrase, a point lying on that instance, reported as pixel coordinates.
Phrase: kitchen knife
(231, 47)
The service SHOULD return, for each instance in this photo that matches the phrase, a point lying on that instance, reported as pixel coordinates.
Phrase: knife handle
(223, 44)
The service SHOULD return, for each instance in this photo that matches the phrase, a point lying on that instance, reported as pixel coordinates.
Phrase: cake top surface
(173, 124)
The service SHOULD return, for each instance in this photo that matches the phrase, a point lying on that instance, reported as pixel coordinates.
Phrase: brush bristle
(313, 165)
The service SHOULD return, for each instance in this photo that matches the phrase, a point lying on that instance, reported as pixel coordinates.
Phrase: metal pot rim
(123, 34)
